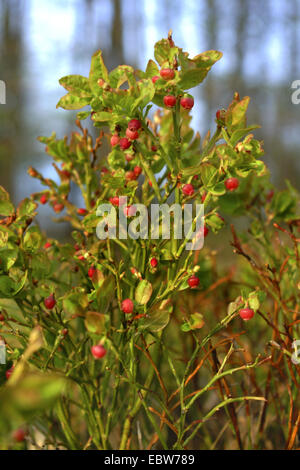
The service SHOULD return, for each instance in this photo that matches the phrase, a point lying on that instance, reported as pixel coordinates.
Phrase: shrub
(140, 343)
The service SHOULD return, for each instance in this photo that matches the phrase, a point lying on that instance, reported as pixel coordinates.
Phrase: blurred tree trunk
(11, 131)
(294, 40)
(211, 43)
(116, 53)
(240, 46)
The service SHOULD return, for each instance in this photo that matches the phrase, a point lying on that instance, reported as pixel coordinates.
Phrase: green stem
(139, 402)
(161, 150)
(149, 172)
(214, 410)
(212, 142)
(67, 430)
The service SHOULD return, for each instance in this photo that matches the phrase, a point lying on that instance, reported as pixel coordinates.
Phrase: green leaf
(236, 114)
(56, 148)
(105, 293)
(146, 91)
(82, 115)
(32, 239)
(158, 99)
(235, 305)
(232, 204)
(192, 78)
(116, 159)
(5, 234)
(207, 59)
(247, 163)
(95, 322)
(209, 175)
(102, 116)
(98, 278)
(218, 189)
(253, 301)
(123, 102)
(12, 309)
(19, 286)
(199, 67)
(123, 74)
(239, 112)
(6, 207)
(76, 302)
(97, 103)
(90, 221)
(40, 265)
(97, 70)
(257, 229)
(190, 170)
(26, 208)
(7, 286)
(195, 322)
(283, 205)
(117, 77)
(214, 222)
(185, 327)
(152, 70)
(33, 393)
(143, 292)
(158, 316)
(162, 52)
(77, 85)
(72, 102)
(8, 257)
(238, 134)
(184, 61)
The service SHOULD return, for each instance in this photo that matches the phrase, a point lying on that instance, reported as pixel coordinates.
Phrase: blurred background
(42, 40)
